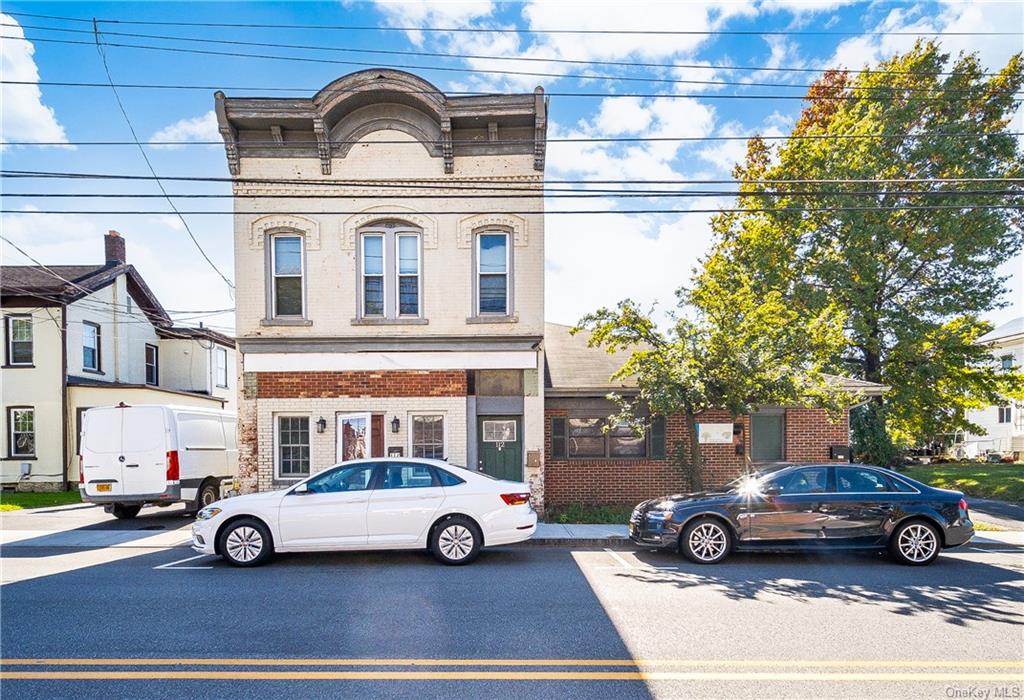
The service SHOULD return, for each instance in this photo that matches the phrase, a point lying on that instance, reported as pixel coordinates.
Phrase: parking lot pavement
(529, 621)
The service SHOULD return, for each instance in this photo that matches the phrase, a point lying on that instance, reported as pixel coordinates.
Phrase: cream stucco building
(389, 258)
(78, 336)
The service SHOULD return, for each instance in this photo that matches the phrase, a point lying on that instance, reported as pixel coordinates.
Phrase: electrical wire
(145, 157)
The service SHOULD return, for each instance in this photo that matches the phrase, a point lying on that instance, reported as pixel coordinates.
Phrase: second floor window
(152, 365)
(389, 274)
(91, 346)
(492, 274)
(19, 340)
(287, 269)
(222, 366)
(1005, 414)
(1006, 363)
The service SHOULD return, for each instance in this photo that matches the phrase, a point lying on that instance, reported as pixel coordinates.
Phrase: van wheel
(209, 493)
(245, 542)
(456, 541)
(125, 512)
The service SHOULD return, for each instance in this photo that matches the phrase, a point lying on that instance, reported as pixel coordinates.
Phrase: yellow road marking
(745, 663)
(506, 676)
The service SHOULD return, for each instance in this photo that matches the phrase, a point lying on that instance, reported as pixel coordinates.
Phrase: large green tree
(733, 349)
(898, 228)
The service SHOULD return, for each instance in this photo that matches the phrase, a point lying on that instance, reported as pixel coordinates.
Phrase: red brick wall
(809, 432)
(306, 385)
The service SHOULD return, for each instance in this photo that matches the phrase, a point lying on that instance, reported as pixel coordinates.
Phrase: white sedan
(371, 504)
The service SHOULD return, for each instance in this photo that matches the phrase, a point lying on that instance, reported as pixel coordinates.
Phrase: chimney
(113, 248)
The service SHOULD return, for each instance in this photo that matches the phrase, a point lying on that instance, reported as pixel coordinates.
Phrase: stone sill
(390, 322)
(493, 319)
(285, 322)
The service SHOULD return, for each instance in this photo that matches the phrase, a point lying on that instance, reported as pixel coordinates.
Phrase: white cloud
(201, 128)
(430, 13)
(622, 115)
(726, 154)
(23, 115)
(798, 7)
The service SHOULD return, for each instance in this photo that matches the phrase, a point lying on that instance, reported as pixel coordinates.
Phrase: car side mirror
(301, 490)
(772, 491)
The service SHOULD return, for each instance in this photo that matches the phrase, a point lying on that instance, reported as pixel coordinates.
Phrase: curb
(626, 543)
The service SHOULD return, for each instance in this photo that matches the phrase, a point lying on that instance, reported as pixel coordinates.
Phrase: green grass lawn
(10, 500)
(1004, 482)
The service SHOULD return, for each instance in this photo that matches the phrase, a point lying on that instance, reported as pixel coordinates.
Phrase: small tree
(735, 350)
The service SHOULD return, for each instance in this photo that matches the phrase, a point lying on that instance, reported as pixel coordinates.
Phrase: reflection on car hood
(249, 500)
(684, 498)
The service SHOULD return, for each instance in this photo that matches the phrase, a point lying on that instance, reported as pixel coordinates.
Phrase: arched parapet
(278, 223)
(387, 214)
(386, 117)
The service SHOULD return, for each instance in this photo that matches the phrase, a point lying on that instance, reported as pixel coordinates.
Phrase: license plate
(103, 487)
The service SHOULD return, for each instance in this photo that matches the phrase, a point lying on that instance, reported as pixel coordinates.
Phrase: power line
(512, 30)
(573, 194)
(438, 54)
(449, 69)
(515, 142)
(489, 184)
(776, 210)
(145, 157)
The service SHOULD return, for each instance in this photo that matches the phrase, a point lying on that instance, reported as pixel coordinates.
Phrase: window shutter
(558, 438)
(377, 435)
(658, 437)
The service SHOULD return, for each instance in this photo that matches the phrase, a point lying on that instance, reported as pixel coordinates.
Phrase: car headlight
(659, 515)
(207, 513)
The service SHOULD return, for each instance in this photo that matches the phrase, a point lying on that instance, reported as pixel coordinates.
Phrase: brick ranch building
(583, 464)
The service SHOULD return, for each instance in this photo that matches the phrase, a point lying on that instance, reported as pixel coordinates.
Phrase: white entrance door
(354, 436)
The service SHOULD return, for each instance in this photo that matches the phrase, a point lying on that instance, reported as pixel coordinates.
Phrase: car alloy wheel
(244, 544)
(917, 543)
(708, 541)
(455, 542)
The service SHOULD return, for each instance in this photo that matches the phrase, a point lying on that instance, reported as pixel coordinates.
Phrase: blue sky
(585, 253)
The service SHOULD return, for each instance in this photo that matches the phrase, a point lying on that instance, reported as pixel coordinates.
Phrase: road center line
(748, 676)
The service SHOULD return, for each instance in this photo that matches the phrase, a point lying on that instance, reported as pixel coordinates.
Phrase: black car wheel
(916, 543)
(706, 541)
(246, 542)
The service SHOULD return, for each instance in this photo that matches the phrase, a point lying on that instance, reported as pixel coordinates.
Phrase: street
(142, 616)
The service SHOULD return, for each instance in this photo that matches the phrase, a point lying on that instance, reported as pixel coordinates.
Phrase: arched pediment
(277, 223)
(386, 214)
(386, 117)
(350, 92)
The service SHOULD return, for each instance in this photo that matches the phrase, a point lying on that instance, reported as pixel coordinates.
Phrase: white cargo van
(134, 455)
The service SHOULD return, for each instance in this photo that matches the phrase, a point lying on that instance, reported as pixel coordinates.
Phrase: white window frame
(9, 322)
(98, 366)
(507, 273)
(278, 476)
(399, 275)
(218, 353)
(1004, 411)
(338, 451)
(156, 364)
(383, 272)
(444, 431)
(11, 442)
(274, 276)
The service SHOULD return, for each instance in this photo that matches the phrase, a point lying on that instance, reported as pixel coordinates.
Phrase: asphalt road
(521, 622)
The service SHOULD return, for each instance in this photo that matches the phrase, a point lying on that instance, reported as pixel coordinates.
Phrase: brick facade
(808, 433)
(308, 385)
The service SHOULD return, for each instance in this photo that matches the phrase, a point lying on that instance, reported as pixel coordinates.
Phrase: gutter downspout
(64, 389)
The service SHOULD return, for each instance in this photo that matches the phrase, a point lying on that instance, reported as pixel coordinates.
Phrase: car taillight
(172, 466)
(963, 505)
(81, 470)
(515, 499)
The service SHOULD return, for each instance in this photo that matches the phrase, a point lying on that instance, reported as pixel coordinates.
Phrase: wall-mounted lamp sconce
(395, 424)
(321, 424)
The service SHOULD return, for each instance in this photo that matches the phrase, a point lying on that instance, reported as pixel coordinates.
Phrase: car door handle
(131, 465)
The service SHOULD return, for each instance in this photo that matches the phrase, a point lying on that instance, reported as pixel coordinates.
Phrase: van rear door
(145, 448)
(101, 450)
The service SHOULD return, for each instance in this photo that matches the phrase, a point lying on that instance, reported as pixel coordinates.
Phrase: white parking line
(171, 565)
(615, 555)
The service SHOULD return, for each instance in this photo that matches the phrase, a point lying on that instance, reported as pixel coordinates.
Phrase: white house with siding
(78, 336)
(1003, 423)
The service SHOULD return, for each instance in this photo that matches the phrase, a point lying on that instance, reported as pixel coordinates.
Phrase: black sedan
(809, 506)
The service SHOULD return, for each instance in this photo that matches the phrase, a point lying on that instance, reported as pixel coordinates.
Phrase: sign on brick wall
(714, 433)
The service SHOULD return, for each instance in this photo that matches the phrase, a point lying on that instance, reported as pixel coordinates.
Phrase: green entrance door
(500, 446)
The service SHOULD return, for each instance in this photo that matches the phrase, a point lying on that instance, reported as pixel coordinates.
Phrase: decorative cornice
(350, 227)
(516, 224)
(274, 223)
